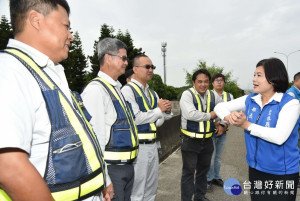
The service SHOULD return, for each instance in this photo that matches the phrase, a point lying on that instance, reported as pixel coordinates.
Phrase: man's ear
(107, 58)
(134, 69)
(34, 18)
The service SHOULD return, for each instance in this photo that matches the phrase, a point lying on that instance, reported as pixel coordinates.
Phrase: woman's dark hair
(275, 73)
(201, 71)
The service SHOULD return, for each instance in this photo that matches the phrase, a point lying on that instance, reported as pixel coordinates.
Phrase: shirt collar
(41, 59)
(205, 94)
(139, 84)
(108, 79)
(217, 92)
(276, 97)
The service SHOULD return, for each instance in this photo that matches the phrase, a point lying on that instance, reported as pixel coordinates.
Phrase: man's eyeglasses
(218, 80)
(147, 66)
(124, 58)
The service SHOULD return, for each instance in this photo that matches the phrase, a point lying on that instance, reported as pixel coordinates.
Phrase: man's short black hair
(136, 59)
(217, 75)
(128, 73)
(20, 8)
(297, 76)
(201, 71)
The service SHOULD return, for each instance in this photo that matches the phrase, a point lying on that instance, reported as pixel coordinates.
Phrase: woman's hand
(238, 119)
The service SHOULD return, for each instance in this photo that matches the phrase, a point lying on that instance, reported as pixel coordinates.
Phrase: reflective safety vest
(123, 144)
(202, 129)
(226, 96)
(146, 132)
(75, 167)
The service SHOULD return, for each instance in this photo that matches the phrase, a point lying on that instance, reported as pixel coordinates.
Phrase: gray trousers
(145, 173)
(122, 179)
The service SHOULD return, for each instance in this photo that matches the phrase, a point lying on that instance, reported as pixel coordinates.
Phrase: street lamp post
(164, 50)
(287, 58)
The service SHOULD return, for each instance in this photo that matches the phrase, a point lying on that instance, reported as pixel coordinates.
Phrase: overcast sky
(234, 34)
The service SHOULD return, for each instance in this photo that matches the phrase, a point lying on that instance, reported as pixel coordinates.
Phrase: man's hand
(213, 115)
(233, 117)
(238, 119)
(108, 192)
(163, 105)
(168, 105)
(221, 129)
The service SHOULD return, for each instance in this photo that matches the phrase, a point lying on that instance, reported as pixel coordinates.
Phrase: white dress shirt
(155, 115)
(287, 118)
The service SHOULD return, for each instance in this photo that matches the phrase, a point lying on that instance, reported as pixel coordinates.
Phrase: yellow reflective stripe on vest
(147, 136)
(121, 155)
(208, 102)
(196, 135)
(70, 194)
(225, 98)
(112, 89)
(84, 189)
(201, 123)
(152, 98)
(91, 185)
(138, 90)
(4, 196)
(87, 122)
(87, 146)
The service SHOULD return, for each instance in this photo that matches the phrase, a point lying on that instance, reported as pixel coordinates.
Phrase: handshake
(237, 119)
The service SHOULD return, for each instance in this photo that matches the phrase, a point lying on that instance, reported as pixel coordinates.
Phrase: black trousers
(196, 157)
(122, 177)
(273, 187)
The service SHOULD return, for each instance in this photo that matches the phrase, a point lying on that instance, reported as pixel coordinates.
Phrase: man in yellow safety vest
(112, 118)
(48, 150)
(150, 112)
(197, 126)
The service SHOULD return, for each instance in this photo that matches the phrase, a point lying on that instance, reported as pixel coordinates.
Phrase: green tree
(231, 84)
(6, 32)
(105, 31)
(132, 51)
(163, 91)
(75, 64)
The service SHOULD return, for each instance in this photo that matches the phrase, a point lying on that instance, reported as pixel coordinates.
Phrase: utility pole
(164, 50)
(287, 58)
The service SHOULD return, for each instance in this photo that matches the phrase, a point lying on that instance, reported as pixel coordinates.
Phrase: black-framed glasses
(148, 66)
(218, 80)
(124, 58)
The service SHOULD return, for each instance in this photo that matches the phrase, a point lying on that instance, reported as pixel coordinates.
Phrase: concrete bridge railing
(169, 133)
